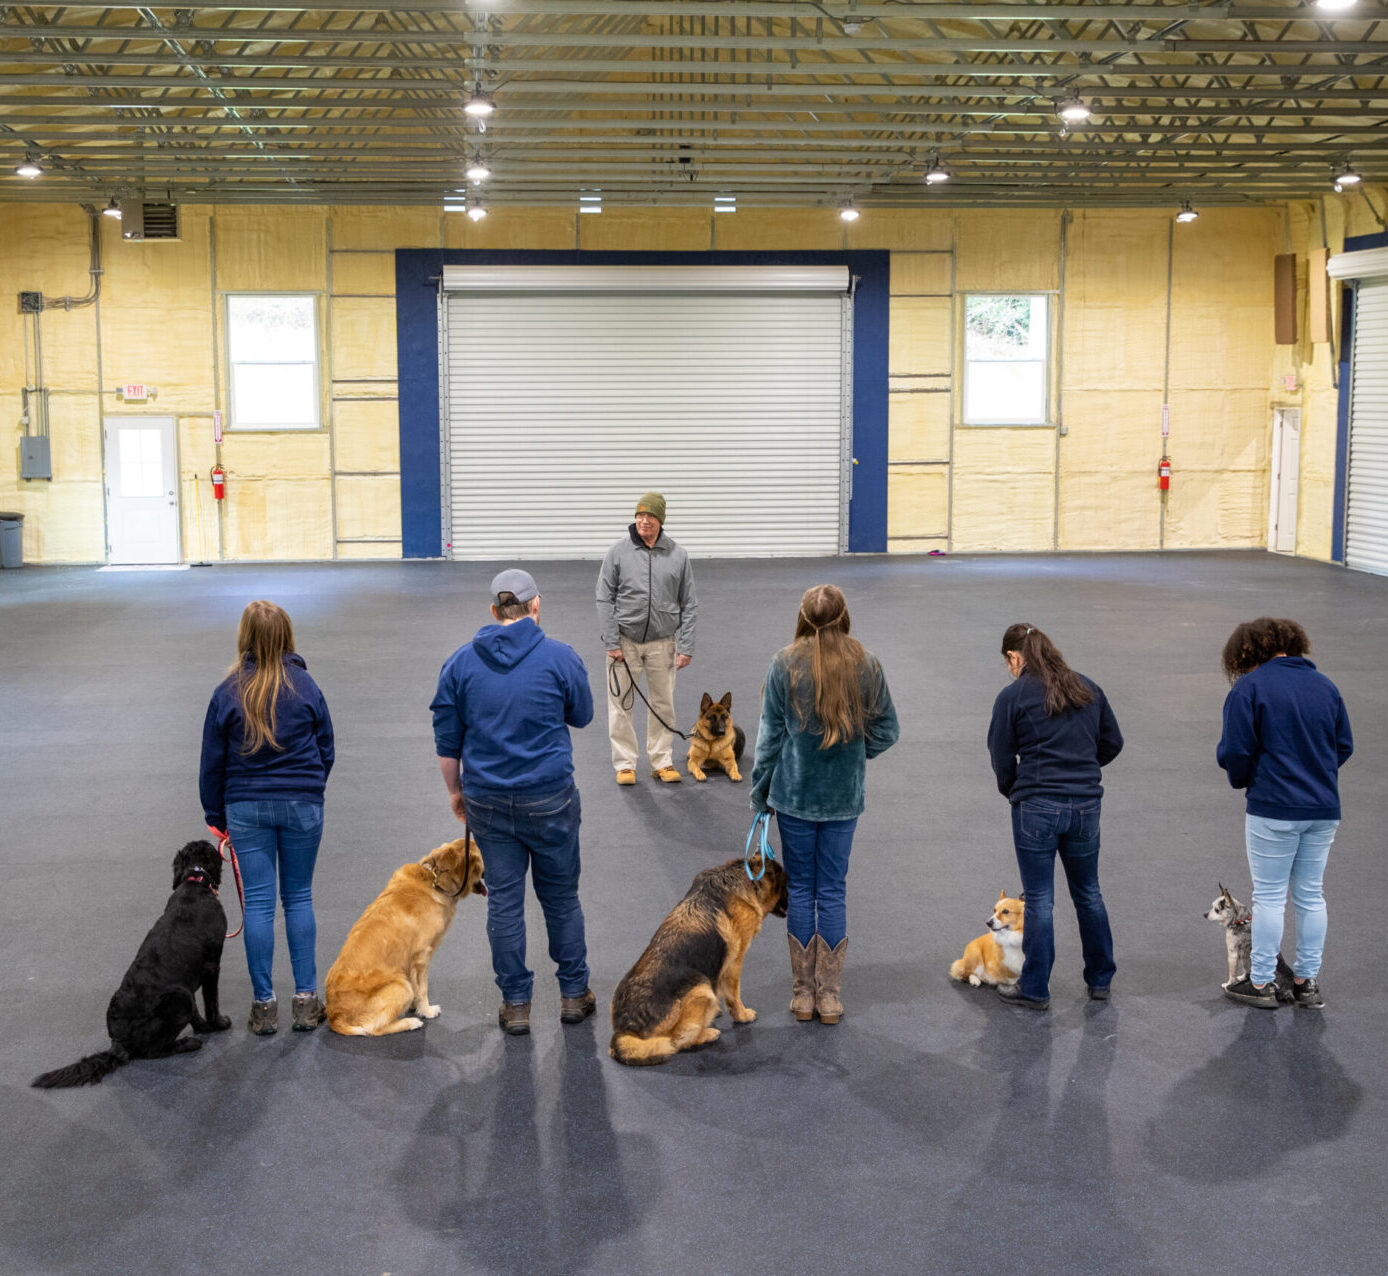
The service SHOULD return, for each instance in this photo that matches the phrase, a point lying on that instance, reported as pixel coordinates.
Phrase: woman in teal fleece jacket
(825, 711)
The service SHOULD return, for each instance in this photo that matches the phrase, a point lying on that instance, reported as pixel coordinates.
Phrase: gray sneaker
(514, 1018)
(1307, 994)
(308, 1011)
(265, 1018)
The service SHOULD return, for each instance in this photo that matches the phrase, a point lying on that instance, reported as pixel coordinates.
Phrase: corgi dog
(996, 957)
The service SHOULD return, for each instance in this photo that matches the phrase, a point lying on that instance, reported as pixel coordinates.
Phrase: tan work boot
(514, 1018)
(802, 979)
(626, 776)
(577, 1009)
(828, 977)
(667, 775)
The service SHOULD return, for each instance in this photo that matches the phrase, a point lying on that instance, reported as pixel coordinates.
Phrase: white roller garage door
(570, 391)
(1366, 516)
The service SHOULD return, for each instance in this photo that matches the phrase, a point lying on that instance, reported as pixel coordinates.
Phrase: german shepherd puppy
(154, 1003)
(666, 1002)
(715, 741)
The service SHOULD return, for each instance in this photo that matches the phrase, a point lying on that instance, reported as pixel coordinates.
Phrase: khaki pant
(657, 661)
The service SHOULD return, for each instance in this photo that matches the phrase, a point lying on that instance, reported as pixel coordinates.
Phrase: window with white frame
(1006, 358)
(272, 353)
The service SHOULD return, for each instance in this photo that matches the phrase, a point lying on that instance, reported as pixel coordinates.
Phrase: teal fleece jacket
(792, 773)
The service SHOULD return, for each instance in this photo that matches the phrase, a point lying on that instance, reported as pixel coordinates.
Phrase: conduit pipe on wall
(1166, 378)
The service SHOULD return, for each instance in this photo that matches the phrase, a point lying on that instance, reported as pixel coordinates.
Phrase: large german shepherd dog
(668, 1000)
(715, 741)
(154, 1003)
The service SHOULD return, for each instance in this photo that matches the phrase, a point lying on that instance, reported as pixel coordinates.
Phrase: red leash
(228, 854)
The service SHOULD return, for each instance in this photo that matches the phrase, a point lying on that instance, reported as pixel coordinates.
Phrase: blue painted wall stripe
(417, 271)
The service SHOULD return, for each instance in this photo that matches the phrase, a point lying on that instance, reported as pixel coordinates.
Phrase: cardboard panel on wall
(363, 273)
(385, 228)
(1318, 296)
(1004, 489)
(366, 435)
(368, 506)
(903, 228)
(513, 228)
(279, 519)
(362, 331)
(1007, 251)
(263, 249)
(1284, 298)
(257, 454)
(920, 335)
(918, 427)
(922, 273)
(760, 229)
(1117, 257)
(918, 501)
(647, 230)
(1104, 511)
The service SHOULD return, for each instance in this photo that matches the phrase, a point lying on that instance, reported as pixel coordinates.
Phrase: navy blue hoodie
(1286, 736)
(295, 772)
(504, 706)
(1036, 754)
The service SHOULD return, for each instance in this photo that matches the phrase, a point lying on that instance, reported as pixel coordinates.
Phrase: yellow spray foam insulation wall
(902, 230)
(518, 228)
(1004, 488)
(263, 249)
(1007, 251)
(363, 273)
(385, 229)
(646, 230)
(363, 339)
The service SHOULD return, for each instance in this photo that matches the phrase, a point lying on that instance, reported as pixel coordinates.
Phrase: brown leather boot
(802, 979)
(828, 977)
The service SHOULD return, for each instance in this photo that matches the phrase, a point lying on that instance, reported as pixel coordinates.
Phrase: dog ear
(706, 703)
(1021, 897)
(1002, 894)
(727, 700)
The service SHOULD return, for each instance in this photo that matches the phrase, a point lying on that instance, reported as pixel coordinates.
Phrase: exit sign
(134, 392)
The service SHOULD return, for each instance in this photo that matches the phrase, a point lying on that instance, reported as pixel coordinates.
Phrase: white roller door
(1366, 518)
(568, 392)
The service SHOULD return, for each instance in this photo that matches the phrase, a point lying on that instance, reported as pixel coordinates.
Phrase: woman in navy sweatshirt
(1052, 730)
(1286, 736)
(267, 748)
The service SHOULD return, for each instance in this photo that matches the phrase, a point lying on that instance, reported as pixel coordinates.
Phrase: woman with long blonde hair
(825, 711)
(267, 748)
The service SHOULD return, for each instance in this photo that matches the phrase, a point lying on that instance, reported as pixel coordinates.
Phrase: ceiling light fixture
(851, 26)
(590, 201)
(30, 167)
(112, 209)
(479, 105)
(1187, 213)
(936, 172)
(1346, 176)
(478, 171)
(725, 203)
(1335, 6)
(476, 211)
(848, 213)
(1073, 110)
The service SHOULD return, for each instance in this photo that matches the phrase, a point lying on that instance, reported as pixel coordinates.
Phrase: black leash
(624, 698)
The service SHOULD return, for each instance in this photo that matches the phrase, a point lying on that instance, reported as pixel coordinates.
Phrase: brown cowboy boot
(802, 979)
(828, 976)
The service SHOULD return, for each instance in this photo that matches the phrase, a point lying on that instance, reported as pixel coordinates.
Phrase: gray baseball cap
(521, 585)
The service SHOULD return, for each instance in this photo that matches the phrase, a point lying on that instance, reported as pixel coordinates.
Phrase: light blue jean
(1282, 853)
(283, 837)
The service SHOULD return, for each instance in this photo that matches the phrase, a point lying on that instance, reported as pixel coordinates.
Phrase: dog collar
(198, 879)
(1243, 921)
(451, 894)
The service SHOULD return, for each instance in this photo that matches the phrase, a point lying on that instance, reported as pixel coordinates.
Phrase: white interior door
(141, 490)
(1286, 473)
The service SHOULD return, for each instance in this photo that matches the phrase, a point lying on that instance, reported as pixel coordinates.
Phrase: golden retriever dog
(996, 957)
(668, 1000)
(383, 969)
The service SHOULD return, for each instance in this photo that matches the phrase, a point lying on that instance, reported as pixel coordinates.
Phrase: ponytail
(1041, 658)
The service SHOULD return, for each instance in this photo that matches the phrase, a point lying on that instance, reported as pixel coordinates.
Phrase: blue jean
(268, 837)
(538, 831)
(1041, 829)
(1282, 853)
(816, 863)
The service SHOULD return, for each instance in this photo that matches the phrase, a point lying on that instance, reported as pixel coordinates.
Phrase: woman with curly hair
(1286, 736)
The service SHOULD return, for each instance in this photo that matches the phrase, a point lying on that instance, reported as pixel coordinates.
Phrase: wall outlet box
(30, 303)
(34, 459)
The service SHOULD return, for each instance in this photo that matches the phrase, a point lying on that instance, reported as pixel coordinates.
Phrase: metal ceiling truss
(775, 102)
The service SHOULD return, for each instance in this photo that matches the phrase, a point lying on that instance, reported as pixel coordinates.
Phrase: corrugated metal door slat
(1366, 520)
(563, 408)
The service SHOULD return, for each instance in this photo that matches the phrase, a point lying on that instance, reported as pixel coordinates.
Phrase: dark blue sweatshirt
(1037, 755)
(504, 706)
(296, 771)
(1286, 736)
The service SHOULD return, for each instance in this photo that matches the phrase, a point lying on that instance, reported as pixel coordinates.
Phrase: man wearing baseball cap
(502, 714)
(647, 609)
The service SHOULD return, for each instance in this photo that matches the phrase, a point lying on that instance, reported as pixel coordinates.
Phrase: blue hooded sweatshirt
(1286, 736)
(295, 772)
(504, 706)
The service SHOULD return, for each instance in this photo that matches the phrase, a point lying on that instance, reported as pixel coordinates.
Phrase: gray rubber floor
(934, 1130)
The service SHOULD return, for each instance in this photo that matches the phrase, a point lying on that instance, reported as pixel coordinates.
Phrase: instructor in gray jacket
(646, 607)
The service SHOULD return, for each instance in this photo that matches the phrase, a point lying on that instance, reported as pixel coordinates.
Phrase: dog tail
(637, 1052)
(958, 971)
(739, 742)
(92, 1070)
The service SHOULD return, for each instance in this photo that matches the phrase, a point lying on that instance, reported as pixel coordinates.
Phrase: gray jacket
(646, 594)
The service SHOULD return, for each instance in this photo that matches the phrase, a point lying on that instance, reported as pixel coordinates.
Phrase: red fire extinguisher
(1164, 474)
(219, 483)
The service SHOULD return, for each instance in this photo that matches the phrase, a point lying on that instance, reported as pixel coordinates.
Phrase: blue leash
(762, 822)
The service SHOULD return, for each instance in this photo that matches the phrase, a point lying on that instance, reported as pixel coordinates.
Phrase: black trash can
(11, 539)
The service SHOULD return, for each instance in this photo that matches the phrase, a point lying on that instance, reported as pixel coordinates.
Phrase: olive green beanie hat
(652, 503)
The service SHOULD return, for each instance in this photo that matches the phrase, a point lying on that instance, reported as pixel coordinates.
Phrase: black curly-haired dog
(154, 1003)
